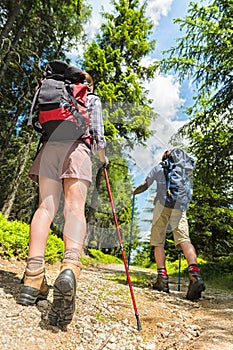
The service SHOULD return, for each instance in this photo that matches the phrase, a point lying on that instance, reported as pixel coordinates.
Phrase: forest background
(35, 32)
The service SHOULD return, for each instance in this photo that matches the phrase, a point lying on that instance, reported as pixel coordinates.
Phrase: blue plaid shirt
(96, 127)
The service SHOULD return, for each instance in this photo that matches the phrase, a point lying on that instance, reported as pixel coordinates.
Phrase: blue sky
(169, 97)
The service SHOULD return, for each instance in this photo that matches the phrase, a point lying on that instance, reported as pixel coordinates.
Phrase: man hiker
(171, 202)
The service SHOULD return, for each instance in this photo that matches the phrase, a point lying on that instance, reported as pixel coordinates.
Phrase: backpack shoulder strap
(75, 102)
(32, 109)
(75, 111)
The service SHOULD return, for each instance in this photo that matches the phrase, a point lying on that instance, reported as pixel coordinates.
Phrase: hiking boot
(34, 287)
(64, 292)
(196, 286)
(161, 284)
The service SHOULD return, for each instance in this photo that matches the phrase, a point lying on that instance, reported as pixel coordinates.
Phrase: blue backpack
(178, 170)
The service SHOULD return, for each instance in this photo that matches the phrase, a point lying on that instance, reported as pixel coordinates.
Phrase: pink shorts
(61, 160)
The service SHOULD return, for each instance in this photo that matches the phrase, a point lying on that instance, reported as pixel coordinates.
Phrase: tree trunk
(13, 45)
(7, 207)
(10, 20)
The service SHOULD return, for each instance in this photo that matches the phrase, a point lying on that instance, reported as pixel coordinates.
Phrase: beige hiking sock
(35, 263)
(72, 254)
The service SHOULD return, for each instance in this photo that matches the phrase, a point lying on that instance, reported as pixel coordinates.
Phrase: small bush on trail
(14, 239)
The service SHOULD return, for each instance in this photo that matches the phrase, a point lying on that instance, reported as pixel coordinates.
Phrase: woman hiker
(67, 165)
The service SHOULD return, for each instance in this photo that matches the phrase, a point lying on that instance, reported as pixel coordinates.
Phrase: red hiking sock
(162, 272)
(194, 268)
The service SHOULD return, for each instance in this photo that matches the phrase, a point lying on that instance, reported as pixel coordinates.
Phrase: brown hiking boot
(196, 286)
(161, 284)
(64, 292)
(34, 287)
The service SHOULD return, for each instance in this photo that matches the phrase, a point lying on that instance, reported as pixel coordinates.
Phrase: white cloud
(158, 8)
(165, 93)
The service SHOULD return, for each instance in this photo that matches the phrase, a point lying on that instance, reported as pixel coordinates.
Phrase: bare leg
(48, 204)
(189, 252)
(75, 222)
(159, 257)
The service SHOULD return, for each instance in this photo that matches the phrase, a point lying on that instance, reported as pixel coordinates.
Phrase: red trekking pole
(122, 250)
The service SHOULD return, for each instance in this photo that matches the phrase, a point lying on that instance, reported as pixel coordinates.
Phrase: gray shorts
(60, 160)
(165, 220)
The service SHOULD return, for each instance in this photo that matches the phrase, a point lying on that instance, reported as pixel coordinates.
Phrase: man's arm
(141, 188)
(151, 177)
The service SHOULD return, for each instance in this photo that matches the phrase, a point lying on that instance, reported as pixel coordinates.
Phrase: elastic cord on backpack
(168, 183)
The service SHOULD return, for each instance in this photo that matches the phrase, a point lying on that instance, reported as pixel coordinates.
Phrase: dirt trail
(105, 319)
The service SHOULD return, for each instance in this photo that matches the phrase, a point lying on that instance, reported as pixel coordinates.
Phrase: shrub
(14, 239)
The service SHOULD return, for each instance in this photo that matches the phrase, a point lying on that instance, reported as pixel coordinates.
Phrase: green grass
(224, 282)
(96, 256)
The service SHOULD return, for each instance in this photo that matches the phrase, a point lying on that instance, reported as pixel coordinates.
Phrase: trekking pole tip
(139, 327)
